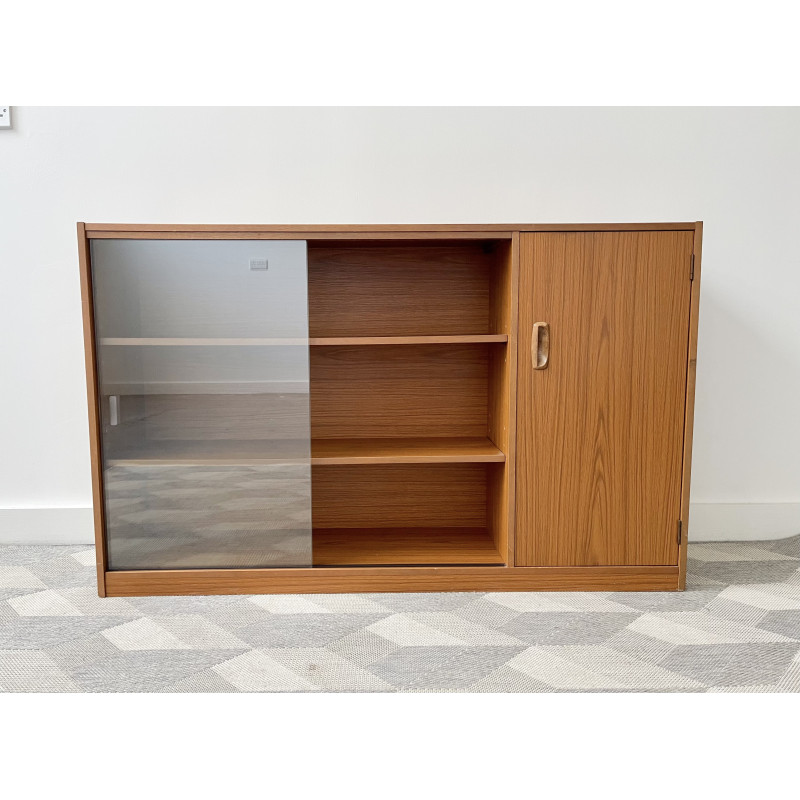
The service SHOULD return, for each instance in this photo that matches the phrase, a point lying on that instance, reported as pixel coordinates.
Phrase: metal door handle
(540, 345)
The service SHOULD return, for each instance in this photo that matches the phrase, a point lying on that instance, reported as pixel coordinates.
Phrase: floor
(735, 629)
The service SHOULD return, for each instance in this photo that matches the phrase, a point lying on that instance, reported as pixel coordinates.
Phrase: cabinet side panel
(503, 398)
(601, 427)
(691, 374)
(92, 401)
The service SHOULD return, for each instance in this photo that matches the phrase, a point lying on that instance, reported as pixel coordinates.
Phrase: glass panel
(202, 350)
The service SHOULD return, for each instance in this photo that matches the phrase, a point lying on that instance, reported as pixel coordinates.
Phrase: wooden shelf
(325, 341)
(340, 547)
(323, 451)
(478, 338)
(405, 451)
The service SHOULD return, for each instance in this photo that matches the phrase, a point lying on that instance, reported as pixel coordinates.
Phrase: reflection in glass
(204, 393)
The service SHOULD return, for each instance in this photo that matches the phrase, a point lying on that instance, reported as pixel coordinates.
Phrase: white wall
(736, 169)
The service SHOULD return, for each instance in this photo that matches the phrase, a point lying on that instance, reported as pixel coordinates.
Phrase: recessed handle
(540, 345)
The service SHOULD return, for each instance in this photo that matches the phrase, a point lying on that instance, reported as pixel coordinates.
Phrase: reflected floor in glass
(193, 517)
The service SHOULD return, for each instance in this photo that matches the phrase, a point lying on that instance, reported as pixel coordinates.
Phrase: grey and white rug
(735, 629)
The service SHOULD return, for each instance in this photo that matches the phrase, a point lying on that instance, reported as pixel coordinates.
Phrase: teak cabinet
(390, 408)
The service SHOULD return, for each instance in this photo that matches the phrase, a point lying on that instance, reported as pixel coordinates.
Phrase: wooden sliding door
(601, 396)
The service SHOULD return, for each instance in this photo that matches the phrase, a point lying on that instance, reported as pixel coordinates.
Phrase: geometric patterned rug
(735, 629)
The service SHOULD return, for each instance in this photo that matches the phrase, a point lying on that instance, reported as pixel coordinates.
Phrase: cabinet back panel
(399, 390)
(399, 289)
(399, 496)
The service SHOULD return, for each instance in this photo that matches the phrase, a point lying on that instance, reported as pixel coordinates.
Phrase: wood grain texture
(399, 496)
(601, 429)
(399, 290)
(405, 451)
(90, 356)
(333, 452)
(502, 397)
(511, 377)
(691, 376)
(403, 547)
(357, 341)
(104, 227)
(391, 579)
(407, 390)
(304, 234)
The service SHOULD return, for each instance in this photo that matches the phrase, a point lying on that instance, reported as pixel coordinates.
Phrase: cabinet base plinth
(390, 579)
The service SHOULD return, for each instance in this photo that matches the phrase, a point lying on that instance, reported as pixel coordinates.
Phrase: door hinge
(680, 530)
(691, 270)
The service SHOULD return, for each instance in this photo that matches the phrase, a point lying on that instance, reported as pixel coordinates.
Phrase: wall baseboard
(743, 522)
(708, 522)
(46, 526)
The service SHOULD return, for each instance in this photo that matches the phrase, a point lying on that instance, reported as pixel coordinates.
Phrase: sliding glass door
(203, 373)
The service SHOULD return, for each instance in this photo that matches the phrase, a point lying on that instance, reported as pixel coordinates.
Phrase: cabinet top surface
(508, 229)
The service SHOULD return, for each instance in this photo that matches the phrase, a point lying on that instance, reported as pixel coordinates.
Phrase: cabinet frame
(506, 577)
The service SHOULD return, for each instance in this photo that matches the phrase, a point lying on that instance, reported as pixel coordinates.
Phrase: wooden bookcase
(407, 425)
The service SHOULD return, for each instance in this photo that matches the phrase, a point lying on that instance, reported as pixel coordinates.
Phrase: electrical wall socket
(5, 116)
